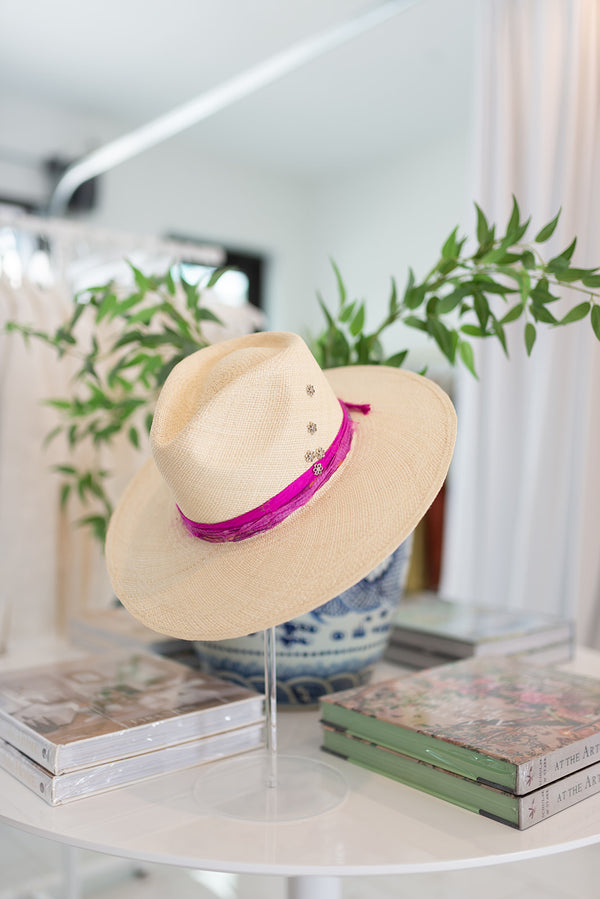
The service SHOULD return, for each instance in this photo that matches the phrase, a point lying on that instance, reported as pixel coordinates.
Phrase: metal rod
(214, 100)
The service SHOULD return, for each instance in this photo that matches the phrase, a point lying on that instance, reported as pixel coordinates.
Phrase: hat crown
(239, 421)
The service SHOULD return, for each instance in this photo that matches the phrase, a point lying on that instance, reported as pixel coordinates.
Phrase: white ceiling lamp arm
(214, 100)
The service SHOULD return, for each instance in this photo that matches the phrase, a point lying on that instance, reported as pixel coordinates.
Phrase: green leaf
(548, 230)
(340, 283)
(133, 436)
(595, 318)
(64, 469)
(513, 314)
(410, 283)
(98, 525)
(591, 280)
(473, 330)
(393, 301)
(570, 275)
(348, 311)
(170, 283)
(397, 360)
(449, 249)
(325, 311)
(450, 302)
(576, 313)
(202, 314)
(123, 306)
(106, 306)
(482, 309)
(499, 332)
(58, 404)
(443, 337)
(542, 314)
(528, 259)
(540, 292)
(466, 354)
(432, 305)
(51, 435)
(64, 494)
(218, 273)
(415, 296)
(145, 315)
(413, 322)
(363, 348)
(515, 218)
(140, 278)
(357, 323)
(483, 229)
(530, 335)
(568, 253)
(488, 285)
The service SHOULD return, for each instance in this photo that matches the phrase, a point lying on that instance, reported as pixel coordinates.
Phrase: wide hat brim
(184, 587)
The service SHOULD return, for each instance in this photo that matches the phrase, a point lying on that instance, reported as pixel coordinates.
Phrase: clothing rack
(71, 233)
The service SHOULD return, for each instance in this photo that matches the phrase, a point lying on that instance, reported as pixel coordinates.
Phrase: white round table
(382, 827)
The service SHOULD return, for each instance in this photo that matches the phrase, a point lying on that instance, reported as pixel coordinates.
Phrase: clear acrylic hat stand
(266, 785)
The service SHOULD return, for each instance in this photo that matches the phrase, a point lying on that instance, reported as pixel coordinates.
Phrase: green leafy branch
(124, 344)
(467, 295)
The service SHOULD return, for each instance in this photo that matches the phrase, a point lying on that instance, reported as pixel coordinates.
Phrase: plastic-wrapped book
(110, 706)
(57, 789)
(501, 721)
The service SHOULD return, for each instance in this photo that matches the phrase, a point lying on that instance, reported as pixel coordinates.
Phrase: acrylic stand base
(267, 786)
(244, 787)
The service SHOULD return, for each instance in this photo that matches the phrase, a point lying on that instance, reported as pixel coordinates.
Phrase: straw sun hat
(267, 496)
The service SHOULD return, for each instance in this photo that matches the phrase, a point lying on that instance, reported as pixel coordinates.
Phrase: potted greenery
(135, 338)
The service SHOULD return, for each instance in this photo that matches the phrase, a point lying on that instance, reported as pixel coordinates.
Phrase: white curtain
(523, 511)
(51, 569)
(45, 565)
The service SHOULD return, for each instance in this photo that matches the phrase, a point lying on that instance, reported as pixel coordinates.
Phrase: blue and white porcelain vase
(334, 647)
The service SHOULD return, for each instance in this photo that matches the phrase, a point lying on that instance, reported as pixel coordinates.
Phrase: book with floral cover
(57, 789)
(493, 719)
(501, 805)
(70, 715)
(456, 630)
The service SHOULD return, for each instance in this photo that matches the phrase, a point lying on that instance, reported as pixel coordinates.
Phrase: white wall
(375, 223)
(378, 223)
(174, 188)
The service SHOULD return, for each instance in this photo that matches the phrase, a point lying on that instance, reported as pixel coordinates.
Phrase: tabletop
(381, 827)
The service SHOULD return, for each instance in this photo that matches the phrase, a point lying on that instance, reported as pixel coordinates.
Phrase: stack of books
(115, 627)
(72, 729)
(508, 740)
(428, 630)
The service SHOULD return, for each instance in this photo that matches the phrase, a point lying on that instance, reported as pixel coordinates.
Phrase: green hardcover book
(493, 719)
(503, 806)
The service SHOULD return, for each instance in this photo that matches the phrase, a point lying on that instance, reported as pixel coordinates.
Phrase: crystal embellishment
(311, 427)
(310, 389)
(317, 469)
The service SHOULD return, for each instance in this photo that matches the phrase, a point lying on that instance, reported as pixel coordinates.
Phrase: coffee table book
(501, 805)
(100, 708)
(58, 789)
(415, 657)
(448, 630)
(115, 628)
(501, 721)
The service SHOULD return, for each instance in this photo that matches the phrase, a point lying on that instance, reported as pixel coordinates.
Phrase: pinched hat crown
(235, 427)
